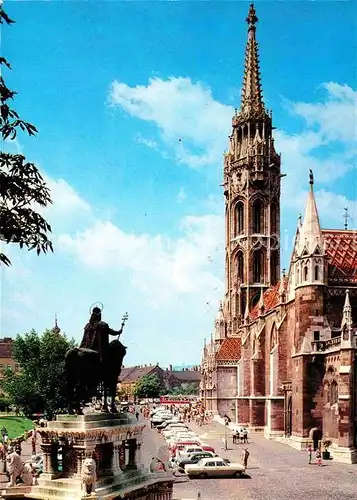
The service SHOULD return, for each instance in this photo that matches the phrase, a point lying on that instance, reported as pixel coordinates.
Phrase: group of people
(240, 435)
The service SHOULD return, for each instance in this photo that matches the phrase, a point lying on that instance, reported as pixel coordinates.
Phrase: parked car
(214, 467)
(193, 459)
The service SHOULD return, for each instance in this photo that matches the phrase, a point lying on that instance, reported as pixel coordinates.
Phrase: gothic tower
(252, 195)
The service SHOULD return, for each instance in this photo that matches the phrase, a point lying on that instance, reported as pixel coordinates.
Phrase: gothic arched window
(273, 268)
(240, 218)
(273, 219)
(317, 273)
(258, 217)
(273, 337)
(333, 392)
(297, 274)
(306, 273)
(258, 266)
(240, 266)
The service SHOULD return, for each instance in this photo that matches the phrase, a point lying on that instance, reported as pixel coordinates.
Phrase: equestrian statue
(96, 362)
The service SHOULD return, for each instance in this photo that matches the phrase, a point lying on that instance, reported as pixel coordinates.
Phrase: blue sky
(133, 102)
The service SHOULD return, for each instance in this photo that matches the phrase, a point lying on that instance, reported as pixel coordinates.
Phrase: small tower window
(258, 266)
(258, 221)
(317, 273)
(273, 268)
(240, 218)
(240, 266)
(306, 273)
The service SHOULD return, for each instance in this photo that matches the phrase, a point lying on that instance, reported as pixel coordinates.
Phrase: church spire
(252, 99)
(310, 232)
(56, 328)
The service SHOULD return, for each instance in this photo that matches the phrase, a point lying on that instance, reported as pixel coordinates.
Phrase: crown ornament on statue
(96, 305)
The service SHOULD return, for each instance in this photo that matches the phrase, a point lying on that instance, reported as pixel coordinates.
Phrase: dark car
(196, 457)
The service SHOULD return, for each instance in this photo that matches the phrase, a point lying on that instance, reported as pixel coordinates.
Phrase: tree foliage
(22, 187)
(148, 387)
(39, 386)
(184, 389)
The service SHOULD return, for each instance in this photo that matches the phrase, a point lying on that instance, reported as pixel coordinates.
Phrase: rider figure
(96, 334)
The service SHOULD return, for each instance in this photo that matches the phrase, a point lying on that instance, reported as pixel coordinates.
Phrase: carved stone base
(16, 492)
(343, 455)
(269, 434)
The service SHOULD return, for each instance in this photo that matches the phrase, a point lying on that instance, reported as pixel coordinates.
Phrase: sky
(133, 102)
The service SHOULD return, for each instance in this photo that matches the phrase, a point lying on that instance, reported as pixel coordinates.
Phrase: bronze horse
(85, 372)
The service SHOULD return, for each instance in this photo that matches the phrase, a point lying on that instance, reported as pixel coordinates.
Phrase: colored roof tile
(341, 249)
(271, 299)
(229, 350)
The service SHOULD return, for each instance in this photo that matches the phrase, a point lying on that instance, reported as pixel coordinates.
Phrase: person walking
(309, 450)
(318, 457)
(245, 456)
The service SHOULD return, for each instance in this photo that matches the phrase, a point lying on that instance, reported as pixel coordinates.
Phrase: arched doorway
(315, 435)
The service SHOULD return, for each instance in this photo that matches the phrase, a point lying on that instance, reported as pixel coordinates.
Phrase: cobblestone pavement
(275, 472)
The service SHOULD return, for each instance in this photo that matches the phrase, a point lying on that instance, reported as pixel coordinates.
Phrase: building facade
(282, 358)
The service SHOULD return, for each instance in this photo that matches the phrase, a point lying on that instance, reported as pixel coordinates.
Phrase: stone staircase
(107, 488)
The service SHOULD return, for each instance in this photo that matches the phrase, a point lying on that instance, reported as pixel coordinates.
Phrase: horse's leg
(113, 393)
(105, 394)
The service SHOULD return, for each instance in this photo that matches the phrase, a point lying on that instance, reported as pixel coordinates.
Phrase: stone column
(116, 462)
(121, 455)
(81, 454)
(46, 448)
(138, 457)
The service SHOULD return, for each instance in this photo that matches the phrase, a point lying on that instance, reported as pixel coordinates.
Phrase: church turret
(309, 250)
(56, 328)
(252, 192)
(346, 324)
(220, 327)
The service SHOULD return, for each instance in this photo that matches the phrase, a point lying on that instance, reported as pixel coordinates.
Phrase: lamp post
(226, 422)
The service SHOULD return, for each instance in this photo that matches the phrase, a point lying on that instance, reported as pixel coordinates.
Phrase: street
(275, 471)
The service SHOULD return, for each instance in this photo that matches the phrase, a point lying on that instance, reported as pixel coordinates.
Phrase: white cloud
(188, 264)
(147, 142)
(189, 119)
(336, 117)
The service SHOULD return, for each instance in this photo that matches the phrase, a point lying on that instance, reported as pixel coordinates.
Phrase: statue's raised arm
(119, 332)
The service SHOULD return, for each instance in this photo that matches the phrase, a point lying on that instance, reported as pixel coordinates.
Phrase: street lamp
(226, 422)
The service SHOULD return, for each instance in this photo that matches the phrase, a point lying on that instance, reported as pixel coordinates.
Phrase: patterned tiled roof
(271, 299)
(341, 249)
(229, 350)
(135, 373)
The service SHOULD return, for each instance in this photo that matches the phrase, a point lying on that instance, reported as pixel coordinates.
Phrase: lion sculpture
(18, 470)
(89, 476)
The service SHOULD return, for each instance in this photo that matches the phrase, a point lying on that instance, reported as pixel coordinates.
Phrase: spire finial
(311, 181)
(251, 18)
(252, 100)
(56, 328)
(346, 216)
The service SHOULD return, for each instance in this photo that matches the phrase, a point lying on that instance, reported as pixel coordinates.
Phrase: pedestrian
(318, 457)
(309, 450)
(245, 456)
(245, 436)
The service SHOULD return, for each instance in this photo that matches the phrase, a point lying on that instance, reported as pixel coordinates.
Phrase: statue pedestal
(16, 492)
(114, 442)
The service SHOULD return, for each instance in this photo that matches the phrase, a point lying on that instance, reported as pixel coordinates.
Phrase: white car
(214, 467)
(187, 452)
